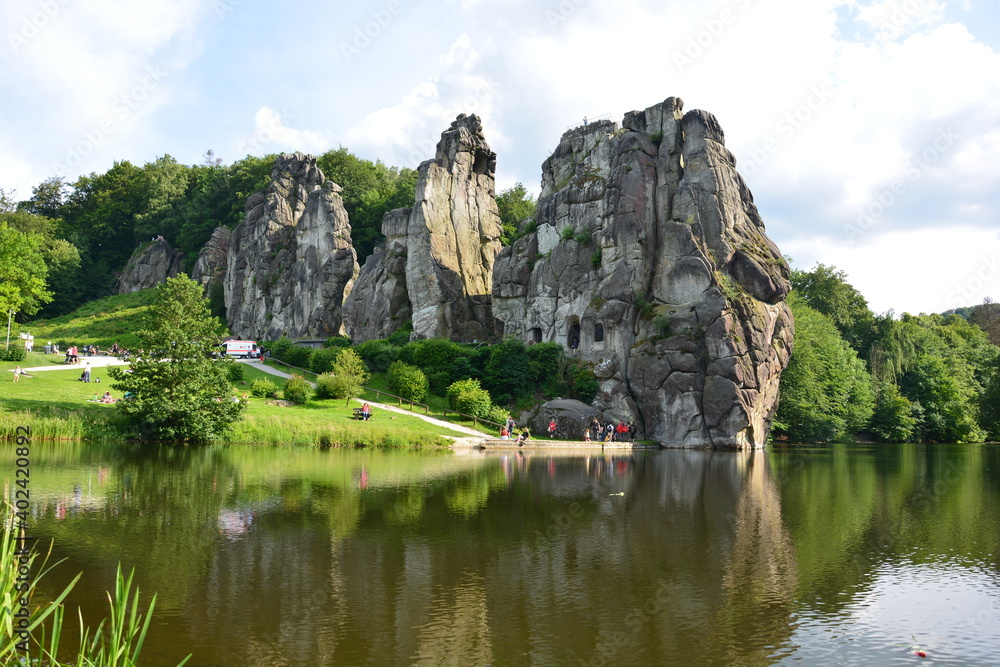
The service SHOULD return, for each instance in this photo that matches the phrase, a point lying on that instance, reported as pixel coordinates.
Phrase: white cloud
(407, 132)
(271, 135)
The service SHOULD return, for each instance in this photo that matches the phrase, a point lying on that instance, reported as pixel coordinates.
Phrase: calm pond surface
(848, 555)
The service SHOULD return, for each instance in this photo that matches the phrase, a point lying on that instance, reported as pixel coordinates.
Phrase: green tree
(22, 271)
(987, 317)
(469, 397)
(516, 206)
(370, 190)
(347, 378)
(826, 393)
(176, 391)
(826, 289)
(508, 371)
(407, 381)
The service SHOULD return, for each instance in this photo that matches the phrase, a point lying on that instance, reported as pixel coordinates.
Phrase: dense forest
(77, 237)
(858, 375)
(854, 374)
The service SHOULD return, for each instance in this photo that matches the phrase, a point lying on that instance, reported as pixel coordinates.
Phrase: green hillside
(102, 322)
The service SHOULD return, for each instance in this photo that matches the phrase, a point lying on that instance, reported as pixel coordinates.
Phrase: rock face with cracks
(436, 266)
(291, 262)
(650, 261)
(150, 266)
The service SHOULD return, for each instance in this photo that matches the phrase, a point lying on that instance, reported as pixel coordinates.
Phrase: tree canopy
(175, 389)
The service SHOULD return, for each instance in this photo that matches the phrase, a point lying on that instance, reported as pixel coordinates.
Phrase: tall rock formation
(150, 265)
(210, 267)
(650, 260)
(436, 267)
(290, 263)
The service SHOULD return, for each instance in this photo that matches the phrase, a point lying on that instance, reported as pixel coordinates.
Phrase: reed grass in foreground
(36, 639)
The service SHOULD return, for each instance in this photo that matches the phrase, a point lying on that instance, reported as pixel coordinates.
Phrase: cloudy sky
(869, 132)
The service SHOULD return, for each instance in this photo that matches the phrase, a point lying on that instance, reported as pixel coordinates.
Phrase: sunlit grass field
(58, 405)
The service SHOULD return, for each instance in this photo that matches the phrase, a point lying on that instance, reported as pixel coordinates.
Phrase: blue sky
(868, 131)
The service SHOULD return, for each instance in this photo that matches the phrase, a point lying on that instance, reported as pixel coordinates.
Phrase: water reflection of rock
(762, 576)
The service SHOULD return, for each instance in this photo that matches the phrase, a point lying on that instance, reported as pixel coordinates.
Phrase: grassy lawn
(58, 405)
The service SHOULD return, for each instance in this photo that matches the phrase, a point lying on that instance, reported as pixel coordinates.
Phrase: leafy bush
(298, 357)
(567, 233)
(583, 384)
(327, 386)
(15, 352)
(407, 381)
(321, 361)
(337, 342)
(433, 354)
(543, 362)
(297, 389)
(346, 378)
(508, 375)
(263, 389)
(498, 414)
(235, 371)
(438, 383)
(401, 336)
(280, 347)
(378, 355)
(469, 397)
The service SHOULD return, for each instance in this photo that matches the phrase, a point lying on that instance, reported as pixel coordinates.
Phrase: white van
(244, 349)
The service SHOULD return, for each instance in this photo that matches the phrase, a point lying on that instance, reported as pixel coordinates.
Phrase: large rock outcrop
(650, 260)
(436, 267)
(291, 262)
(150, 265)
(210, 267)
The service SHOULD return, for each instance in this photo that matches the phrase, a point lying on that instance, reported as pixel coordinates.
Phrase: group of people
(621, 432)
(106, 398)
(507, 432)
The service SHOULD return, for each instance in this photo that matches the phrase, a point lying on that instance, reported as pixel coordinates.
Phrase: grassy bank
(58, 406)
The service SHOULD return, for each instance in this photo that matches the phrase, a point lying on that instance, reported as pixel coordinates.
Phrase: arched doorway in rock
(598, 332)
(573, 337)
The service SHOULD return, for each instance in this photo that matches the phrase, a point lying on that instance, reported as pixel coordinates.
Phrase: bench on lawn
(359, 413)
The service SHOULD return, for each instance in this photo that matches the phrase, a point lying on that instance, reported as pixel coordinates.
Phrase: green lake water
(846, 555)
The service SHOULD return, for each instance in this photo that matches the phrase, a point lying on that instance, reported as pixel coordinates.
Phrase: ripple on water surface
(947, 609)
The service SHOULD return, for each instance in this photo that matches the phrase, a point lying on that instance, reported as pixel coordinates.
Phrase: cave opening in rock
(573, 338)
(535, 335)
(598, 332)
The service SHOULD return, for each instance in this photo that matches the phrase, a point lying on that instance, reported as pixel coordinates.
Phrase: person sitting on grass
(107, 398)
